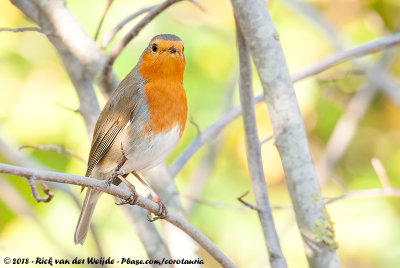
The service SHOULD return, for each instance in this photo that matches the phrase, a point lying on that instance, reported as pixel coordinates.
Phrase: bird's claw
(162, 211)
(131, 200)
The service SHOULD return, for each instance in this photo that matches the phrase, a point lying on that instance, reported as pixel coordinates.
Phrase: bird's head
(163, 58)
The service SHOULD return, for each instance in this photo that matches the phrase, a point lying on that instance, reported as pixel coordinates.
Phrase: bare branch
(253, 150)
(109, 3)
(312, 217)
(14, 156)
(162, 183)
(386, 82)
(70, 39)
(240, 198)
(124, 194)
(381, 172)
(56, 148)
(20, 30)
(266, 140)
(69, 109)
(77, 50)
(205, 137)
(387, 191)
(345, 129)
(212, 131)
(46, 190)
(317, 20)
(215, 204)
(368, 48)
(117, 49)
(147, 232)
(109, 36)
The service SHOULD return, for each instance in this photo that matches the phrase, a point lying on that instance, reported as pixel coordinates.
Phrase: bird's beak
(172, 50)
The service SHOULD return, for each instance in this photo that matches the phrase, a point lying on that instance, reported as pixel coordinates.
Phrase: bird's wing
(116, 114)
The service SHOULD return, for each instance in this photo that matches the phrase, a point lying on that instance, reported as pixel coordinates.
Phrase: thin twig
(347, 125)
(381, 172)
(124, 194)
(109, 36)
(117, 49)
(214, 204)
(196, 125)
(62, 106)
(80, 54)
(205, 137)
(266, 140)
(56, 148)
(197, 4)
(164, 185)
(46, 190)
(201, 174)
(212, 131)
(368, 48)
(109, 3)
(240, 198)
(20, 30)
(381, 192)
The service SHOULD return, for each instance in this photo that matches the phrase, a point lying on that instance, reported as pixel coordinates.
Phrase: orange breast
(164, 91)
(167, 105)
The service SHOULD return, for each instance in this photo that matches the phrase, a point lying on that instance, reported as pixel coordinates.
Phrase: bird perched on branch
(141, 123)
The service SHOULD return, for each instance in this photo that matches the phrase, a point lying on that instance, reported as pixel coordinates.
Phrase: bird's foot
(132, 198)
(114, 175)
(162, 211)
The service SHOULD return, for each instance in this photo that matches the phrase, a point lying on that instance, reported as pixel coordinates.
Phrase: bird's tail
(91, 198)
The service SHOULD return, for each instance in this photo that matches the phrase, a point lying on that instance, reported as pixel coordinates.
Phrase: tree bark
(254, 160)
(291, 141)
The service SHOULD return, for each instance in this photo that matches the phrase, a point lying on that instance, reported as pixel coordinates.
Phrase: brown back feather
(122, 106)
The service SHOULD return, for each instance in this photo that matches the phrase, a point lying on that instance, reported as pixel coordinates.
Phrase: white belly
(150, 151)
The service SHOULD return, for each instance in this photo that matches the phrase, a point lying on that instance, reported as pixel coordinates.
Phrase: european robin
(143, 121)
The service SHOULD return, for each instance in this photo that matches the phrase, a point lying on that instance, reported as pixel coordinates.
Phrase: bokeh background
(37, 101)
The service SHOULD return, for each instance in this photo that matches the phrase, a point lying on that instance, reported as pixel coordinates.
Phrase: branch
(204, 137)
(253, 149)
(110, 2)
(346, 127)
(109, 36)
(124, 194)
(35, 193)
(381, 192)
(154, 245)
(368, 48)
(202, 172)
(77, 50)
(381, 172)
(317, 20)
(56, 148)
(386, 82)
(247, 204)
(163, 184)
(20, 30)
(117, 49)
(312, 217)
(212, 131)
(69, 37)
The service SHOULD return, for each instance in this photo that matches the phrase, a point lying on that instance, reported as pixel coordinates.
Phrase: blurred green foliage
(35, 88)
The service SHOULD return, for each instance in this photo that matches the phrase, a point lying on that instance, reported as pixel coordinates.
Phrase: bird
(142, 122)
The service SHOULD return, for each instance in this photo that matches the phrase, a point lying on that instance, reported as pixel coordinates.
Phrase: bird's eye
(154, 47)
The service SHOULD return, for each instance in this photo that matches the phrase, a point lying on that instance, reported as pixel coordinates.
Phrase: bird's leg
(134, 196)
(162, 212)
(120, 174)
